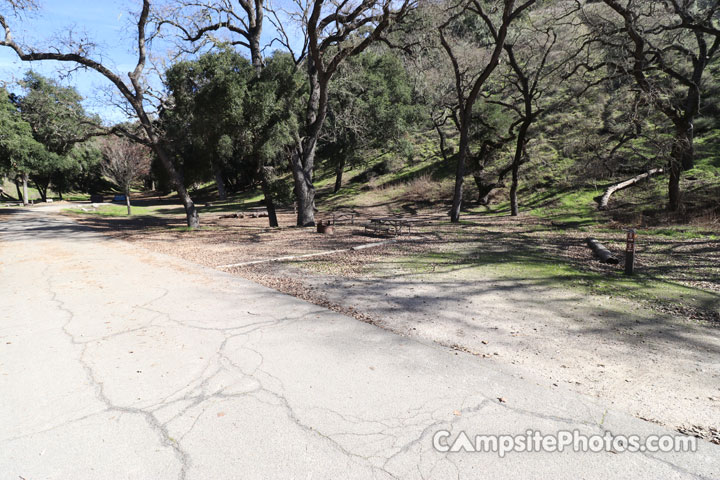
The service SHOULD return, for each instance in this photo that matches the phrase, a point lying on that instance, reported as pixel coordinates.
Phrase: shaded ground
(677, 272)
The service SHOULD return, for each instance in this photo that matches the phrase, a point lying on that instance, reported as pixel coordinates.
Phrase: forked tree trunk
(42, 190)
(302, 159)
(133, 92)
(467, 101)
(484, 189)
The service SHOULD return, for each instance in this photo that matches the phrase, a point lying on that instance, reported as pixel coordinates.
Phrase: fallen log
(603, 199)
(602, 253)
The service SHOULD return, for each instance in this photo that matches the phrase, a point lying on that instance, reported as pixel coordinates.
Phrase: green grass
(9, 188)
(116, 211)
(120, 210)
(679, 232)
(77, 197)
(537, 268)
(574, 209)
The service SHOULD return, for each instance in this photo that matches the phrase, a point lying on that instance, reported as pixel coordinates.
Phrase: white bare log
(603, 199)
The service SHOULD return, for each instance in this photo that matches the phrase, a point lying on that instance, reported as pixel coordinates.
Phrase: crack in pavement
(161, 430)
(202, 395)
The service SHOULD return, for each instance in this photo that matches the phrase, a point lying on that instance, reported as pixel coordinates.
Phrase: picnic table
(343, 217)
(339, 217)
(394, 225)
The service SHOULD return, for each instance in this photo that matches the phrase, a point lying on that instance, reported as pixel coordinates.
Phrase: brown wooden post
(630, 252)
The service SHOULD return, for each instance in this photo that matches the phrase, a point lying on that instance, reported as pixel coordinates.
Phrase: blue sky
(105, 22)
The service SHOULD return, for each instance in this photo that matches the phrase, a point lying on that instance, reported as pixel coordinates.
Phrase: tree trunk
(127, 199)
(304, 190)
(513, 190)
(459, 174)
(21, 197)
(254, 32)
(302, 160)
(683, 158)
(269, 203)
(484, 189)
(193, 220)
(219, 182)
(515, 167)
(339, 174)
(684, 148)
(26, 197)
(441, 134)
(42, 190)
(519, 151)
(674, 186)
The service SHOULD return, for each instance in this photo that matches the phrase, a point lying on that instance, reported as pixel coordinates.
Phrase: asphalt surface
(117, 363)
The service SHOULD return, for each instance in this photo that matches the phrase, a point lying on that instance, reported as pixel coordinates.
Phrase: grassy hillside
(10, 189)
(549, 189)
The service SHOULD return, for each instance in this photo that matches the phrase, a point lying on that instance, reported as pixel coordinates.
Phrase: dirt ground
(447, 284)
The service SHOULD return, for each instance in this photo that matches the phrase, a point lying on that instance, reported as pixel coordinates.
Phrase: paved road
(116, 363)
